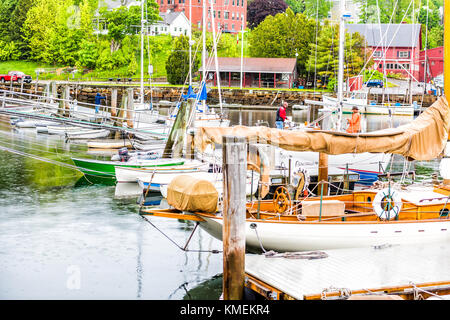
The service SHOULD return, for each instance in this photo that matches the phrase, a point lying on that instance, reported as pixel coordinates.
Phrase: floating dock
(406, 272)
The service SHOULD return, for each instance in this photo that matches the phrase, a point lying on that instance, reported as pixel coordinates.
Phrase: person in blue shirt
(98, 100)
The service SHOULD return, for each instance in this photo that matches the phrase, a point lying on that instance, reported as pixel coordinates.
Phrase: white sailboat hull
(159, 174)
(306, 236)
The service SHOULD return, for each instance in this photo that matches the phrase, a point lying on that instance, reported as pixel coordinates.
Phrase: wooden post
(113, 103)
(176, 138)
(66, 100)
(323, 173)
(130, 107)
(259, 80)
(190, 148)
(234, 179)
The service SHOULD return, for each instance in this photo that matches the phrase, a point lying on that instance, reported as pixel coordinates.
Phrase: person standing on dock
(98, 100)
(354, 124)
(281, 115)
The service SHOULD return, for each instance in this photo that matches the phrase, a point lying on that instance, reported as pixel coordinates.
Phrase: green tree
(317, 9)
(177, 65)
(284, 36)
(298, 6)
(436, 37)
(324, 59)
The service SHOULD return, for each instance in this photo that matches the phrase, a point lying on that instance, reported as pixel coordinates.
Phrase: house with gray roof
(396, 47)
(174, 23)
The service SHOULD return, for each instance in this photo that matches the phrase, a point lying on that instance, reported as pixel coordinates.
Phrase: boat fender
(387, 204)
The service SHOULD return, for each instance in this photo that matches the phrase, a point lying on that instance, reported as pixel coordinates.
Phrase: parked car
(15, 76)
(375, 83)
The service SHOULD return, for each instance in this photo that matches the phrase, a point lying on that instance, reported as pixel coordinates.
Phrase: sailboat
(372, 217)
(362, 218)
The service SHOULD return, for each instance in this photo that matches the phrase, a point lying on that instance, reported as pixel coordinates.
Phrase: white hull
(365, 108)
(159, 174)
(306, 236)
(88, 134)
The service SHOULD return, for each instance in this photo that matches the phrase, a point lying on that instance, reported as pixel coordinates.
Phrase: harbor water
(64, 237)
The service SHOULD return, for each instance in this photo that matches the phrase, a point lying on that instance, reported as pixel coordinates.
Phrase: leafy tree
(122, 21)
(177, 65)
(436, 37)
(317, 8)
(258, 10)
(324, 60)
(6, 9)
(282, 36)
(298, 6)
(370, 9)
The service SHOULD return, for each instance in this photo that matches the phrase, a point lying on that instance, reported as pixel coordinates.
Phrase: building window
(226, 15)
(218, 14)
(403, 54)
(377, 54)
(232, 16)
(233, 2)
(232, 27)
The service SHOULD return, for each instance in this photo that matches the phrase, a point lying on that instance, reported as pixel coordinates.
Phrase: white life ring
(387, 204)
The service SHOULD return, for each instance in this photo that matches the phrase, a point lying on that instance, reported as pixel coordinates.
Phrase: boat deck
(359, 270)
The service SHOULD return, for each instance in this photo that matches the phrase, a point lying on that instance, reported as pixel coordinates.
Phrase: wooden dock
(406, 272)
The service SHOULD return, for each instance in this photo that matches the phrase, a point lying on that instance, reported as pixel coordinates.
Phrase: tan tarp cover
(187, 193)
(422, 139)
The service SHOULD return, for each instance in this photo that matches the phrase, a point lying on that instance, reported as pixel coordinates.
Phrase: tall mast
(340, 95)
(190, 42)
(203, 83)
(447, 47)
(142, 51)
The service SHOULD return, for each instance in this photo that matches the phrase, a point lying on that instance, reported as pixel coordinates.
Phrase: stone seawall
(258, 98)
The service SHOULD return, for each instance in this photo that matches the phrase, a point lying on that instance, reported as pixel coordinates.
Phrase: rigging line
(395, 34)
(315, 58)
(176, 244)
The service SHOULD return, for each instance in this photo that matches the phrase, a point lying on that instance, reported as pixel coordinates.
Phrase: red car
(15, 76)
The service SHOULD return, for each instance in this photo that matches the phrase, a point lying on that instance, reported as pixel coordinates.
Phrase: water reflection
(68, 220)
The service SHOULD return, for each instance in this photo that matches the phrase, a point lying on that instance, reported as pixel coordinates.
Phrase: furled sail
(422, 139)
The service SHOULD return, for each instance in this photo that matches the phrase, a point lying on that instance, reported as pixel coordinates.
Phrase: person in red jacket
(281, 116)
(354, 124)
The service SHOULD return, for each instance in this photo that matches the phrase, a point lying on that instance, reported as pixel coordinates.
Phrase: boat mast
(190, 42)
(142, 52)
(204, 51)
(446, 47)
(340, 95)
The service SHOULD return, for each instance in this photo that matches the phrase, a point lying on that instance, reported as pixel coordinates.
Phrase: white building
(173, 23)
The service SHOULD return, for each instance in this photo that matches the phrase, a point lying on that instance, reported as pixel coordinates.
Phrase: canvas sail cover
(187, 193)
(422, 139)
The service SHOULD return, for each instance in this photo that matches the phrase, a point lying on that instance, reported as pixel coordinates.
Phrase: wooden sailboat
(363, 218)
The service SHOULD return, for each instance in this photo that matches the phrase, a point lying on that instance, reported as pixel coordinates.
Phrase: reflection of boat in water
(210, 289)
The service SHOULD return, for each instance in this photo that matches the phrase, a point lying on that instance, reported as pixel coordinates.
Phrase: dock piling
(234, 179)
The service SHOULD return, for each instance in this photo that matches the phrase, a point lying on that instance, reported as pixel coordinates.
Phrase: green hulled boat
(101, 168)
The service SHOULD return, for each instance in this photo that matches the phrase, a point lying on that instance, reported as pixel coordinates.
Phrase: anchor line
(185, 249)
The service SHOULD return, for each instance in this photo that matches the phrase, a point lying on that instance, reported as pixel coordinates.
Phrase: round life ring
(387, 204)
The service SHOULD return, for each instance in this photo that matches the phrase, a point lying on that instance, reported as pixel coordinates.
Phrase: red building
(256, 72)
(433, 60)
(229, 15)
(396, 47)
